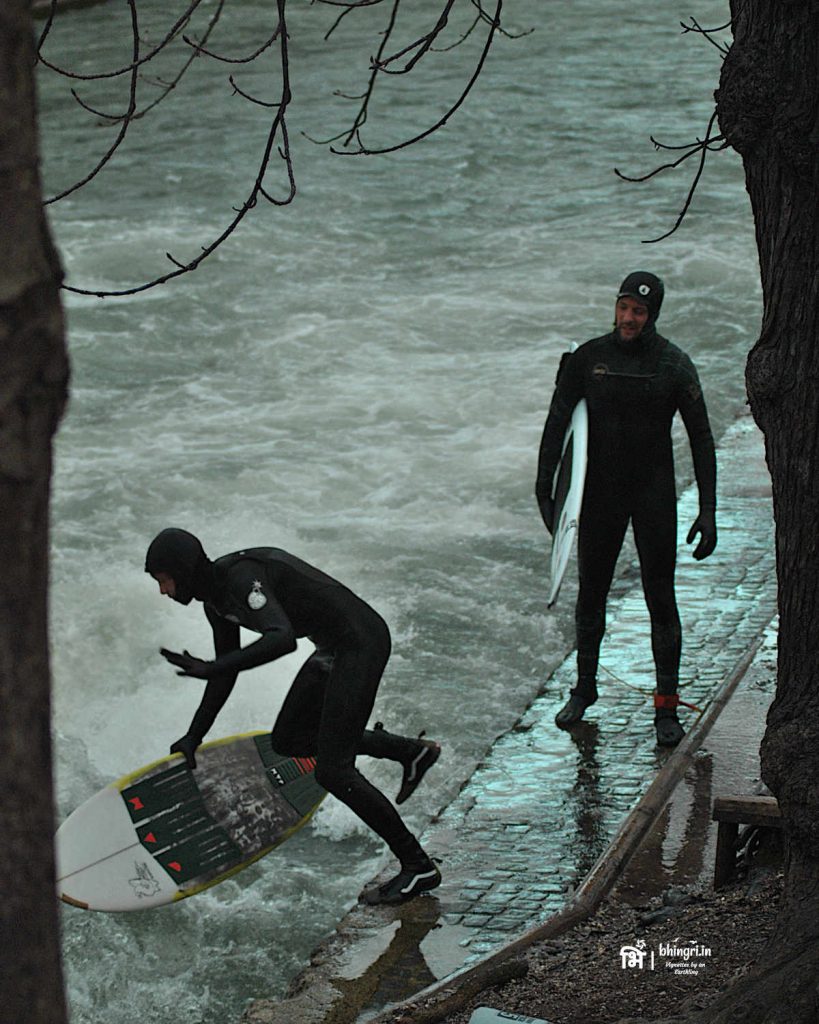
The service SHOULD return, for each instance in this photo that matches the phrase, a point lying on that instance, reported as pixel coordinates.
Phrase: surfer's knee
(282, 742)
(661, 602)
(338, 778)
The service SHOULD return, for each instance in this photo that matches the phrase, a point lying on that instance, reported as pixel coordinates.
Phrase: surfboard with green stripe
(165, 832)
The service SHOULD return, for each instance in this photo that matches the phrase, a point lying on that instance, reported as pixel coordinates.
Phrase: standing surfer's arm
(566, 395)
(695, 417)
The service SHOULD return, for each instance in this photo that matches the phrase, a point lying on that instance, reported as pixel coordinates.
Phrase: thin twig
(361, 117)
(707, 33)
(365, 151)
(125, 122)
(247, 96)
(232, 60)
(350, 4)
(422, 45)
(710, 144)
(128, 68)
(278, 126)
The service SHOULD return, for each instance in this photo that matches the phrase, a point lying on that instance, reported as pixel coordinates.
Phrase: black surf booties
(411, 880)
(427, 754)
(669, 730)
(573, 710)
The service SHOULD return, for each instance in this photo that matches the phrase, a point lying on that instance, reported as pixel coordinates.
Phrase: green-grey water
(360, 377)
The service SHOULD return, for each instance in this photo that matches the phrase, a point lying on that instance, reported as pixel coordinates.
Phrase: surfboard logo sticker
(257, 598)
(144, 885)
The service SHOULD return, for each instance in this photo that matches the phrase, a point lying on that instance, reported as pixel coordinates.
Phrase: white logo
(686, 958)
(634, 956)
(644, 289)
(256, 599)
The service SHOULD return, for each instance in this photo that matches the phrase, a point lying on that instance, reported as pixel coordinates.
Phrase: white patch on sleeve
(257, 598)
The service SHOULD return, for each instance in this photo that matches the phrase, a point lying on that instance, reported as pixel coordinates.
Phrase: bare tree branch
(171, 35)
(422, 45)
(361, 116)
(248, 97)
(168, 87)
(707, 33)
(710, 144)
(234, 60)
(350, 4)
(125, 122)
(277, 129)
(408, 57)
(363, 150)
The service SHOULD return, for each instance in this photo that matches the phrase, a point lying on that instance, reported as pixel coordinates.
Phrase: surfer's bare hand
(706, 526)
(189, 666)
(187, 746)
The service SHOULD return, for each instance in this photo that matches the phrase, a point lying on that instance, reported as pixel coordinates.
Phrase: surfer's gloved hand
(190, 666)
(187, 746)
(706, 526)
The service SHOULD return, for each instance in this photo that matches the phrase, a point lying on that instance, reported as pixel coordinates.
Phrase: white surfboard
(165, 831)
(486, 1015)
(567, 494)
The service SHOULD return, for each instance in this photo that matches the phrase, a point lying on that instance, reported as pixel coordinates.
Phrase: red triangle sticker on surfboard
(150, 838)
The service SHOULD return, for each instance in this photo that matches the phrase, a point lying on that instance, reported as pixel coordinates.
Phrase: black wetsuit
(633, 389)
(268, 591)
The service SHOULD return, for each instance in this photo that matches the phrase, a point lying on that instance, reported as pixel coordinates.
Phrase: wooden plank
(748, 810)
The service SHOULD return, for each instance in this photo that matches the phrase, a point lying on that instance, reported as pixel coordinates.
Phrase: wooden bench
(731, 812)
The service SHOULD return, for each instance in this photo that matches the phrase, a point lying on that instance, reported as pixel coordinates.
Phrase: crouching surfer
(325, 712)
(634, 381)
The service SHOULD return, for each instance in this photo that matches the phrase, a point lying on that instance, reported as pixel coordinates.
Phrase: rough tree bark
(769, 112)
(768, 107)
(33, 387)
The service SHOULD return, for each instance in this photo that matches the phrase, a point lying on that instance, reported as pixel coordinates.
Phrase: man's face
(630, 317)
(167, 585)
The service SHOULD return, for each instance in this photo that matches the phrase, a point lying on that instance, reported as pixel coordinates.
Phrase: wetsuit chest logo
(602, 372)
(256, 599)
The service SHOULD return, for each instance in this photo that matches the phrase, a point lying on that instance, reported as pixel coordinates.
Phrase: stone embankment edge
(435, 1003)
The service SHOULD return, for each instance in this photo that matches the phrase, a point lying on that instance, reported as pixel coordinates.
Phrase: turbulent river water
(360, 377)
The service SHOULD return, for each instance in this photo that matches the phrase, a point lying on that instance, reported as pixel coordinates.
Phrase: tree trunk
(768, 104)
(32, 396)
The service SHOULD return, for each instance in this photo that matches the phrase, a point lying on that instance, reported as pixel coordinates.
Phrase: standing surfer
(634, 381)
(325, 713)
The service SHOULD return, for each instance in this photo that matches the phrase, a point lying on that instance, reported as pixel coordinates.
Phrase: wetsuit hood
(646, 288)
(181, 555)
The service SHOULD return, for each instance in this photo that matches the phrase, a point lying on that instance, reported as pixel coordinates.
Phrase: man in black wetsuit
(634, 381)
(325, 712)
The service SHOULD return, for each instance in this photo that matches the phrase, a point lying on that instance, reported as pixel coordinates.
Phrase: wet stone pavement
(544, 804)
